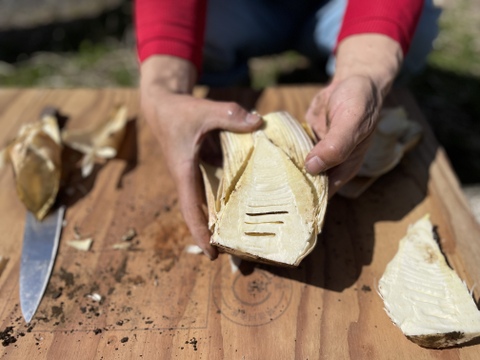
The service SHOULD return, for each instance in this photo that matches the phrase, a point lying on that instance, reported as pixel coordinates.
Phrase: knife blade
(40, 244)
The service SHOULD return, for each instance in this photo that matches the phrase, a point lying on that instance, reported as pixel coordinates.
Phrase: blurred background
(91, 43)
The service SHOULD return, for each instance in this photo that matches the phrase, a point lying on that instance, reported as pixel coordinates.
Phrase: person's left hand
(345, 113)
(343, 116)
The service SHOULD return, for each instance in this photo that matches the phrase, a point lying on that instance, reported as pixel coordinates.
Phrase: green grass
(447, 91)
(26, 75)
(93, 65)
(89, 54)
(449, 88)
(457, 48)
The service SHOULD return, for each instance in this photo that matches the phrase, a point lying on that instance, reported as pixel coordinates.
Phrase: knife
(40, 244)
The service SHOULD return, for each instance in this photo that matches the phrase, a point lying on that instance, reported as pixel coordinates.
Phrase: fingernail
(253, 118)
(315, 165)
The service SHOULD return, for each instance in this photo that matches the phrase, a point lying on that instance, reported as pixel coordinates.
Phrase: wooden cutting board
(159, 302)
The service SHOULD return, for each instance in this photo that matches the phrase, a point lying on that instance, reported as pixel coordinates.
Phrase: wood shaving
(95, 297)
(129, 235)
(81, 244)
(102, 141)
(193, 249)
(122, 246)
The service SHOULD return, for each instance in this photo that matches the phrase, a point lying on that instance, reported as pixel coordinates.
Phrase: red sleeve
(170, 27)
(394, 18)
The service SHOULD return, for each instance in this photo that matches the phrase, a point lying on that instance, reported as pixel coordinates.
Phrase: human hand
(345, 113)
(181, 122)
(343, 116)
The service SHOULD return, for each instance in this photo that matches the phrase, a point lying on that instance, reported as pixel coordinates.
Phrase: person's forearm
(373, 55)
(170, 27)
(169, 73)
(395, 19)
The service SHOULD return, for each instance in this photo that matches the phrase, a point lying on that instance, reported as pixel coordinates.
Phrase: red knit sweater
(176, 27)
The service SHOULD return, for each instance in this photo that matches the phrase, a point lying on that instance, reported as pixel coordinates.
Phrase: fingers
(334, 149)
(232, 117)
(344, 122)
(182, 123)
(192, 205)
(343, 173)
(316, 114)
(337, 177)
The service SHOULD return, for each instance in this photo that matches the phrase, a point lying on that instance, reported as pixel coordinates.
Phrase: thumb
(334, 149)
(190, 191)
(232, 117)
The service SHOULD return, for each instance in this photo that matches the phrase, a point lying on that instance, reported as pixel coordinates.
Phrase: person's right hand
(180, 122)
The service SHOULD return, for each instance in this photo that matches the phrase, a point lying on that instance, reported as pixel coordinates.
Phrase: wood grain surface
(159, 302)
